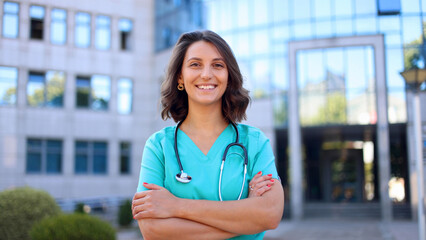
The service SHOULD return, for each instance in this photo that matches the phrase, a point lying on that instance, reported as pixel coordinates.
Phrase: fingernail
(260, 172)
(272, 180)
(270, 175)
(269, 185)
(145, 183)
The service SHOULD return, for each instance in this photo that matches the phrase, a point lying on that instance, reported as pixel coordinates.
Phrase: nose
(206, 73)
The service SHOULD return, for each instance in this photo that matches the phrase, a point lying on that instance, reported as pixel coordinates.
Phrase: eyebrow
(199, 59)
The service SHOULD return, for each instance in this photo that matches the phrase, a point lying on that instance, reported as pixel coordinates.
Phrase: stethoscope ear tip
(183, 177)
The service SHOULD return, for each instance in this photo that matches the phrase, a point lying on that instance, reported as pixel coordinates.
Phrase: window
(8, 83)
(82, 30)
(125, 150)
(45, 89)
(58, 31)
(93, 92)
(44, 156)
(37, 22)
(10, 19)
(126, 27)
(103, 32)
(124, 102)
(90, 157)
(388, 7)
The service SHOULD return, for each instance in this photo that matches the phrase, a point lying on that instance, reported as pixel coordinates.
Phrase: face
(204, 74)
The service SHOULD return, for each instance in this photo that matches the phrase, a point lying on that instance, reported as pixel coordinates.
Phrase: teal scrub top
(160, 166)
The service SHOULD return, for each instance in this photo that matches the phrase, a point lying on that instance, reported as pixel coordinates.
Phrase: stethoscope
(185, 178)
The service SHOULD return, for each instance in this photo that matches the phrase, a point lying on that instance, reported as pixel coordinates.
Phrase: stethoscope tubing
(185, 178)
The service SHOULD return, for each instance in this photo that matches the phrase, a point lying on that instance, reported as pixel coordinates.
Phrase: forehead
(203, 50)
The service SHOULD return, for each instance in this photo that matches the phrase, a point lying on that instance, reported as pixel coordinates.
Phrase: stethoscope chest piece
(183, 177)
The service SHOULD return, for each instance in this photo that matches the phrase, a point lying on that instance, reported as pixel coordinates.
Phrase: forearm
(243, 217)
(171, 228)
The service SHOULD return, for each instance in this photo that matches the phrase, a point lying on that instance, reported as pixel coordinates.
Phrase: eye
(219, 65)
(194, 64)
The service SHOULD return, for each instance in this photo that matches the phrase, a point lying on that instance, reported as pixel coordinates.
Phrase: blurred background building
(80, 80)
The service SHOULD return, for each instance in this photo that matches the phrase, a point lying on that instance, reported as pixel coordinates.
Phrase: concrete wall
(17, 123)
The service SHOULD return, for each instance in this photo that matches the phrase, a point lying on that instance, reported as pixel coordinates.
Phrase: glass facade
(44, 156)
(82, 29)
(93, 92)
(126, 28)
(124, 96)
(37, 22)
(8, 84)
(46, 89)
(10, 19)
(58, 27)
(336, 86)
(90, 157)
(103, 32)
(125, 150)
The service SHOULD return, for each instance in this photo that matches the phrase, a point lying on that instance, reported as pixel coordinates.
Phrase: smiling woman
(203, 92)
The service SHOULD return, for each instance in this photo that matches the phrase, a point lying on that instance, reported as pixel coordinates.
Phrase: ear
(180, 80)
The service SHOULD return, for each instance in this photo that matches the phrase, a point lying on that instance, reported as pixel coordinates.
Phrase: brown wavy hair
(175, 103)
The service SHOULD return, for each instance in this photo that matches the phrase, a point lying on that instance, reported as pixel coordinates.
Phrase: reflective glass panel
(81, 157)
(261, 78)
(54, 156)
(125, 92)
(395, 65)
(35, 89)
(82, 29)
(8, 84)
(356, 68)
(101, 92)
(125, 150)
(83, 91)
(389, 23)
(103, 32)
(343, 8)
(397, 112)
(323, 28)
(280, 10)
(410, 6)
(364, 7)
(125, 25)
(261, 42)
(37, 12)
(389, 7)
(344, 27)
(34, 155)
(302, 9)
(243, 18)
(261, 13)
(55, 84)
(99, 157)
(365, 25)
(411, 30)
(280, 81)
(302, 30)
(312, 107)
(10, 20)
(58, 31)
(322, 8)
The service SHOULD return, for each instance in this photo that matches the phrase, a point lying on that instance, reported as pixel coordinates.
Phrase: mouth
(206, 87)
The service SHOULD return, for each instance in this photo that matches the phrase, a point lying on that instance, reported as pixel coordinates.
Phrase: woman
(203, 92)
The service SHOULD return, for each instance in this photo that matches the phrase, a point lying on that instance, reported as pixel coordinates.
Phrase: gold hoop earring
(180, 87)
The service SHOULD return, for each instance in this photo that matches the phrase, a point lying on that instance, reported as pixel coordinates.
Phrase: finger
(260, 179)
(265, 183)
(152, 186)
(262, 190)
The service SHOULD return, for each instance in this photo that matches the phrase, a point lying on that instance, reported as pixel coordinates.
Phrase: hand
(157, 202)
(260, 184)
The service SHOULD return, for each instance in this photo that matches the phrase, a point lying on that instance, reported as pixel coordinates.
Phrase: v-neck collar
(214, 149)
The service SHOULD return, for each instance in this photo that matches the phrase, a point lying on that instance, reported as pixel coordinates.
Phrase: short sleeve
(264, 159)
(152, 166)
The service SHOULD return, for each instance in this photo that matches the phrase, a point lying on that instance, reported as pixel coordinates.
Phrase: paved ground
(327, 230)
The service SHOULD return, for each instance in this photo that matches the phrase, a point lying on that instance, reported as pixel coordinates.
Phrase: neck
(205, 119)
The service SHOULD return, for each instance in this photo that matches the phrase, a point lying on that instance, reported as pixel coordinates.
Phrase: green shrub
(20, 208)
(125, 216)
(79, 208)
(72, 227)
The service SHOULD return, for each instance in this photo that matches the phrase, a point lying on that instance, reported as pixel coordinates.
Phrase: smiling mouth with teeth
(206, 86)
